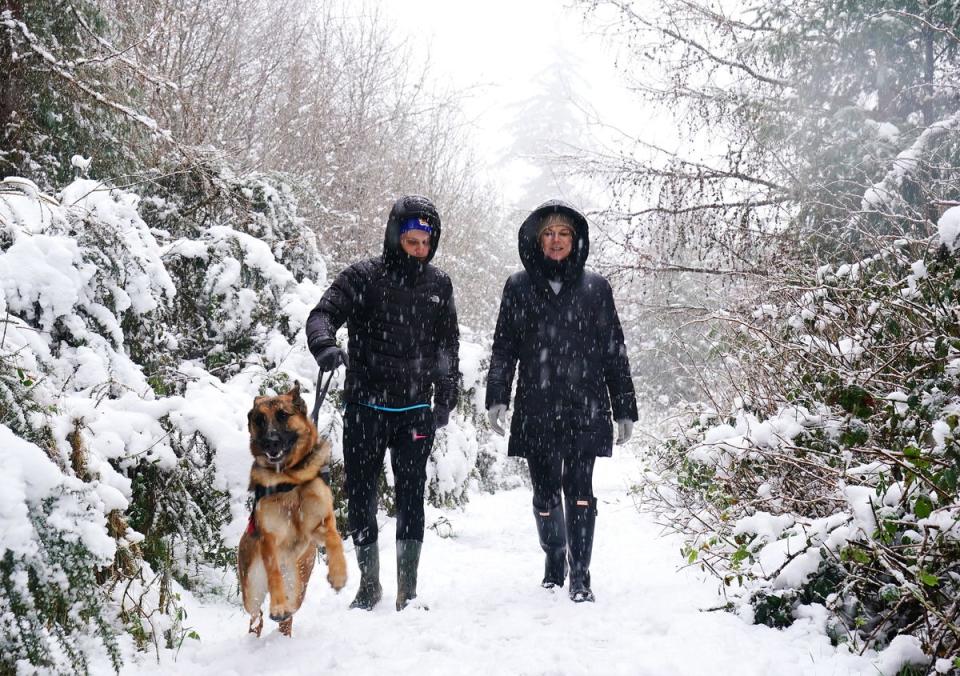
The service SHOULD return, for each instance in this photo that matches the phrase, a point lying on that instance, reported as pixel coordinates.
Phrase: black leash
(315, 416)
(321, 395)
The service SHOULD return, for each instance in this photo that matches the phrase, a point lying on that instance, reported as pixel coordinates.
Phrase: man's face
(416, 243)
(557, 242)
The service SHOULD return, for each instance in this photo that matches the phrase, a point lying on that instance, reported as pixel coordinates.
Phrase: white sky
(497, 48)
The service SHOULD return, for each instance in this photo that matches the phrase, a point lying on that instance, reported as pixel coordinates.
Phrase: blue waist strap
(391, 409)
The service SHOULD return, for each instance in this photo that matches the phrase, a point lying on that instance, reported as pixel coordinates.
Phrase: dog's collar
(264, 491)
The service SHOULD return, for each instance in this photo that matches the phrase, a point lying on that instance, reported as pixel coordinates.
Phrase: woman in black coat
(559, 323)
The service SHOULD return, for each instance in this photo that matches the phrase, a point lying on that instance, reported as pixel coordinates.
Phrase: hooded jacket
(401, 321)
(568, 346)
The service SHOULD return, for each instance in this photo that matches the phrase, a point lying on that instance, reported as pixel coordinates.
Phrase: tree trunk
(8, 70)
(927, 89)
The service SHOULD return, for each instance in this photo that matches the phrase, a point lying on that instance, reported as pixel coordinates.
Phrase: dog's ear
(298, 401)
(300, 405)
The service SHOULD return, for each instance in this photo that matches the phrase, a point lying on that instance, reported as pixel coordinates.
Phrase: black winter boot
(581, 519)
(408, 559)
(370, 592)
(553, 541)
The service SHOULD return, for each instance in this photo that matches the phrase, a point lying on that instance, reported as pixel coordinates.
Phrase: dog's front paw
(337, 578)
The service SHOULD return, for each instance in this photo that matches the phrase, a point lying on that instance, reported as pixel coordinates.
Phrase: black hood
(531, 255)
(409, 206)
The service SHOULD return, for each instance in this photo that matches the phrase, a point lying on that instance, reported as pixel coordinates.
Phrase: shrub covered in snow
(467, 456)
(136, 332)
(834, 478)
(92, 375)
(55, 538)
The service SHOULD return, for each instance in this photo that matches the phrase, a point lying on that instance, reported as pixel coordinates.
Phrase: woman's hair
(556, 218)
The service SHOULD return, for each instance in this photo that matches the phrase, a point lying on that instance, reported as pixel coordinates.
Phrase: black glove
(441, 416)
(329, 358)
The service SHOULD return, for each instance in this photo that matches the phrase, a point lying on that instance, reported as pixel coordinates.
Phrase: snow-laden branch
(702, 49)
(886, 193)
(63, 71)
(116, 54)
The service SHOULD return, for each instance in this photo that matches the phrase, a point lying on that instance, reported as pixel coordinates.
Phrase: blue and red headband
(416, 223)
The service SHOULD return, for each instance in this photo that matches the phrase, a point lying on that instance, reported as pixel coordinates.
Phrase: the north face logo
(434, 299)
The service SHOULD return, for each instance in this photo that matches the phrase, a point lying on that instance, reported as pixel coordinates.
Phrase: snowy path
(488, 614)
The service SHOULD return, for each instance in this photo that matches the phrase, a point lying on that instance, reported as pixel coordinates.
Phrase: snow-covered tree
(547, 126)
(62, 93)
(826, 149)
(792, 111)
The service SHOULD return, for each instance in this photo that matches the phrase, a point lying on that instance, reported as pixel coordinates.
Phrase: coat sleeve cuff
(496, 395)
(625, 408)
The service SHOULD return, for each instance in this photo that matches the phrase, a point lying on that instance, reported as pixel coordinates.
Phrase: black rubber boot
(370, 592)
(553, 541)
(581, 519)
(408, 559)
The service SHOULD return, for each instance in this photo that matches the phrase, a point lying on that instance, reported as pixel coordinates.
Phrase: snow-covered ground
(488, 615)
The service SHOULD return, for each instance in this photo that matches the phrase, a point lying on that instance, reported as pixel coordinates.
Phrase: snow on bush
(833, 479)
(134, 339)
(948, 227)
(53, 528)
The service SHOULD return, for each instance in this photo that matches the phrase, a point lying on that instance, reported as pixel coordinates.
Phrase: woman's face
(557, 241)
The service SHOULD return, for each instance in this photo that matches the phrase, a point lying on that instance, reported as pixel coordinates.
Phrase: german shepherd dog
(292, 512)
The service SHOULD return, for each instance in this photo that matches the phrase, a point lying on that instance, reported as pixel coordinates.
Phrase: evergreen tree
(546, 126)
(62, 94)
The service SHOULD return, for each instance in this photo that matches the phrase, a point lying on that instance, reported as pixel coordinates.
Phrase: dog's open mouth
(276, 453)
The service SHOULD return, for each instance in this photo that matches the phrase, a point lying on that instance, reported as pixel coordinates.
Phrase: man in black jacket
(403, 353)
(559, 323)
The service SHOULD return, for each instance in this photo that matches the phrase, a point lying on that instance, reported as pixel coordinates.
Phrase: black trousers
(367, 433)
(568, 468)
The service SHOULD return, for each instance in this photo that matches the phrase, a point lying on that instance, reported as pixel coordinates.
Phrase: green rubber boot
(553, 541)
(581, 519)
(370, 591)
(408, 559)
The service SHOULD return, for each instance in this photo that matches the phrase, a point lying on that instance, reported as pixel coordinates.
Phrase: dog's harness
(264, 491)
